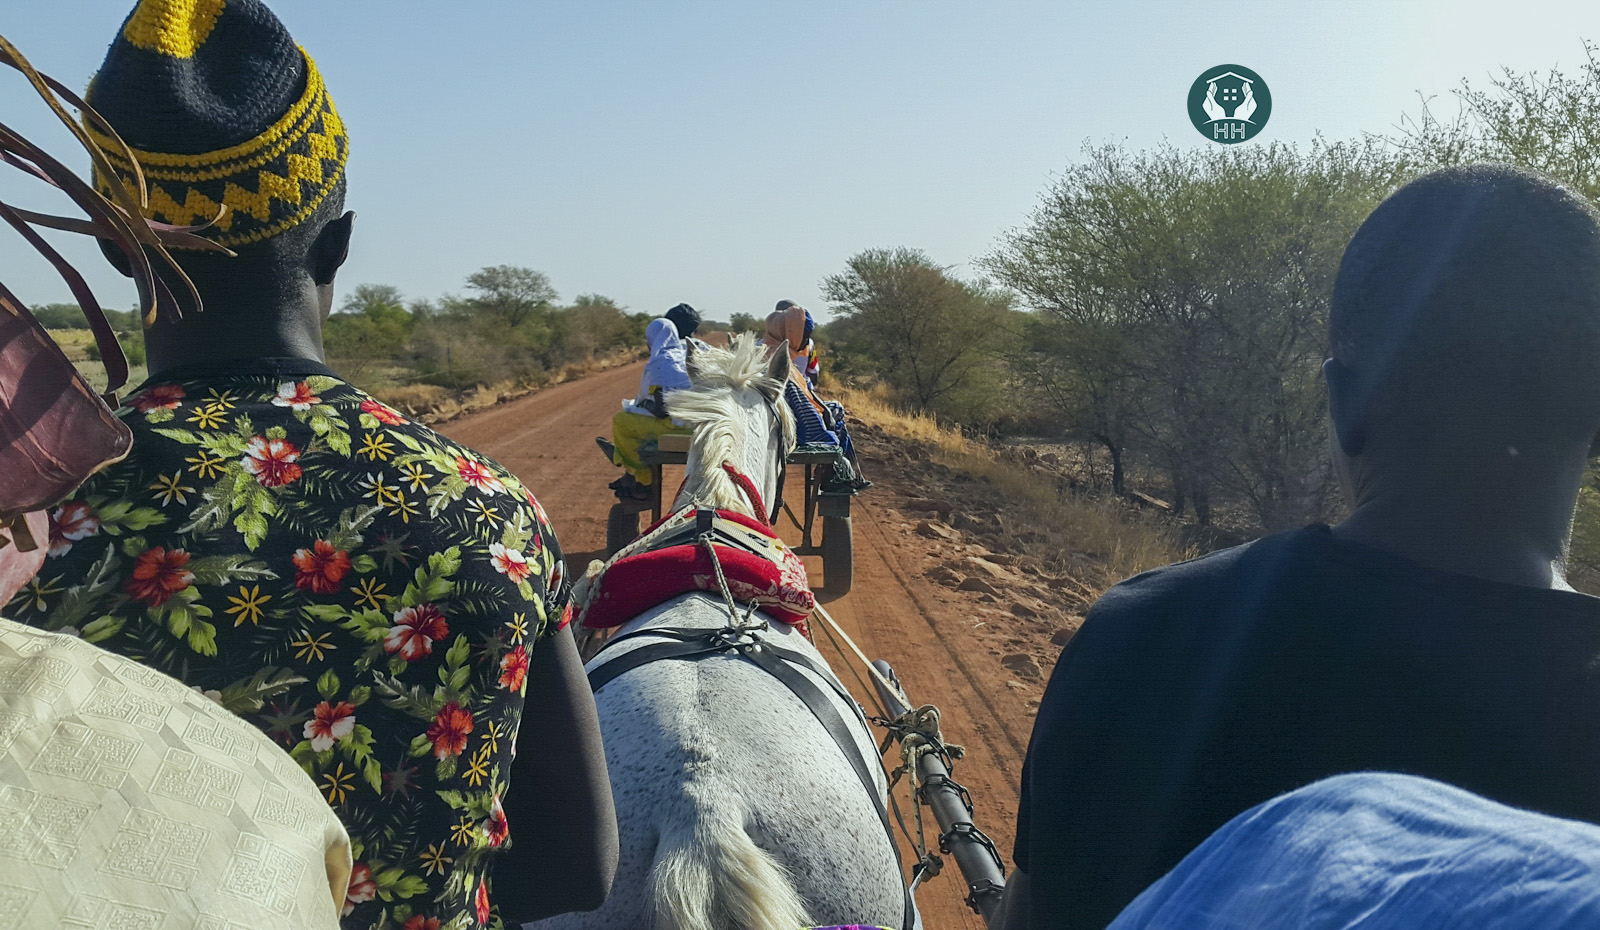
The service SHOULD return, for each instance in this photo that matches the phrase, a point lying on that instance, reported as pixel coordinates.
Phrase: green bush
(132, 347)
(937, 341)
(510, 328)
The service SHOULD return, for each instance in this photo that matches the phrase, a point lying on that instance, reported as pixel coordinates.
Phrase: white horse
(736, 809)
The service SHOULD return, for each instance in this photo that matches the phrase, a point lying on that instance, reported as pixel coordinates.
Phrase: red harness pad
(758, 566)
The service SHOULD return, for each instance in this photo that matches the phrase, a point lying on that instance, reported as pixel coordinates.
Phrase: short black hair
(1471, 297)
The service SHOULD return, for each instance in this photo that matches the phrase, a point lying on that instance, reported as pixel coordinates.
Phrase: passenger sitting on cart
(817, 422)
(644, 418)
(812, 363)
(813, 358)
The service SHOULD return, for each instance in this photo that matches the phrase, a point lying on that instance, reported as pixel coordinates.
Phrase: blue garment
(809, 426)
(836, 411)
(1378, 851)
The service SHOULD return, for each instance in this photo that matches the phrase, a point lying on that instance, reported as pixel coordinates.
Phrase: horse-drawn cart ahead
(836, 545)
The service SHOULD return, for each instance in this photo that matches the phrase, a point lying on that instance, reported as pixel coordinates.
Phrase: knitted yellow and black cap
(221, 108)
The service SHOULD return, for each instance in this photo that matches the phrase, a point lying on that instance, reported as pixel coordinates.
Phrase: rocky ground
(963, 535)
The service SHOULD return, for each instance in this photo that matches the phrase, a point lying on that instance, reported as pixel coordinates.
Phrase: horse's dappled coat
(718, 742)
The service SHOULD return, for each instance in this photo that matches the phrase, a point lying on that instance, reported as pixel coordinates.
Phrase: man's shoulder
(187, 411)
(1203, 582)
(314, 447)
(434, 441)
(478, 471)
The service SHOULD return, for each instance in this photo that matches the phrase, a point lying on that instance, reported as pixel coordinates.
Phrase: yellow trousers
(630, 431)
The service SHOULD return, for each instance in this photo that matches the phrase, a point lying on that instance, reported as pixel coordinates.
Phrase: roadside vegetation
(436, 358)
(1094, 540)
(1157, 324)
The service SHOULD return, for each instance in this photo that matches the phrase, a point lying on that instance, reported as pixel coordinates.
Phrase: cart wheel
(622, 527)
(838, 555)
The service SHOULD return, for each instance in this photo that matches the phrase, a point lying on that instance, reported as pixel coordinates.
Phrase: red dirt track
(892, 612)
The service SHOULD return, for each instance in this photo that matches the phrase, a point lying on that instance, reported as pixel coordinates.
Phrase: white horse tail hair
(709, 875)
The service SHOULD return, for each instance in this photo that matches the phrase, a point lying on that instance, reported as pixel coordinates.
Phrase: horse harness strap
(692, 644)
(698, 643)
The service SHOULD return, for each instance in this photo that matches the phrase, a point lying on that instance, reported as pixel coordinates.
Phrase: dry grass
(414, 398)
(75, 345)
(1099, 541)
(874, 405)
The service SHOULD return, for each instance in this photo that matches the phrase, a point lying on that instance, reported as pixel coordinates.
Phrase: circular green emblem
(1229, 103)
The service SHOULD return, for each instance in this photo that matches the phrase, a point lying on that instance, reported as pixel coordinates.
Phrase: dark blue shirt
(1199, 690)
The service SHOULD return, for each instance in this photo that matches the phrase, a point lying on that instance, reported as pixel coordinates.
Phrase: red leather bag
(55, 430)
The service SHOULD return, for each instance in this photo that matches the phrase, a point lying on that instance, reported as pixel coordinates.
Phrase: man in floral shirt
(361, 588)
(386, 604)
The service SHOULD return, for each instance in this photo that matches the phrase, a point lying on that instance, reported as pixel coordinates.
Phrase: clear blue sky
(733, 153)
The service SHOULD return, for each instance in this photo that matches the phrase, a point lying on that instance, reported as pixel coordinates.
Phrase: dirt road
(893, 612)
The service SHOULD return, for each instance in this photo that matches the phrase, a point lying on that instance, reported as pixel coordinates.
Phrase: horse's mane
(711, 407)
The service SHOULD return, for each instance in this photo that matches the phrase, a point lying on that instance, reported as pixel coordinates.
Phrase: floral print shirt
(356, 585)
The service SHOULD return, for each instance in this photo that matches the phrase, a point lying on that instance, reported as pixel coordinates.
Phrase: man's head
(223, 109)
(1465, 324)
(685, 319)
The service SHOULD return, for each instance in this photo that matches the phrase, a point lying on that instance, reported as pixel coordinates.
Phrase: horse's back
(719, 741)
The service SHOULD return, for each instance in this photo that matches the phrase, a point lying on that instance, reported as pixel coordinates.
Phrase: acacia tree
(594, 324)
(1074, 369)
(372, 327)
(368, 299)
(510, 292)
(1548, 122)
(925, 331)
(1183, 298)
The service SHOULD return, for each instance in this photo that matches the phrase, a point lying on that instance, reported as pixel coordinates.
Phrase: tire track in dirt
(905, 580)
(892, 612)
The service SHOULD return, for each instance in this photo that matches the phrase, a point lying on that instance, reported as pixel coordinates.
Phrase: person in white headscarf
(643, 418)
(668, 367)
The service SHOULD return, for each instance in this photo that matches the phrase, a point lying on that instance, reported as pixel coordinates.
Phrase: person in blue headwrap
(813, 361)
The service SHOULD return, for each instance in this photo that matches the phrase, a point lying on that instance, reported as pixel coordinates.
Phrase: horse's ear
(778, 365)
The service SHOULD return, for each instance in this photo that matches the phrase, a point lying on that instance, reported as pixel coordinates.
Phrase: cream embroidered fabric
(131, 802)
